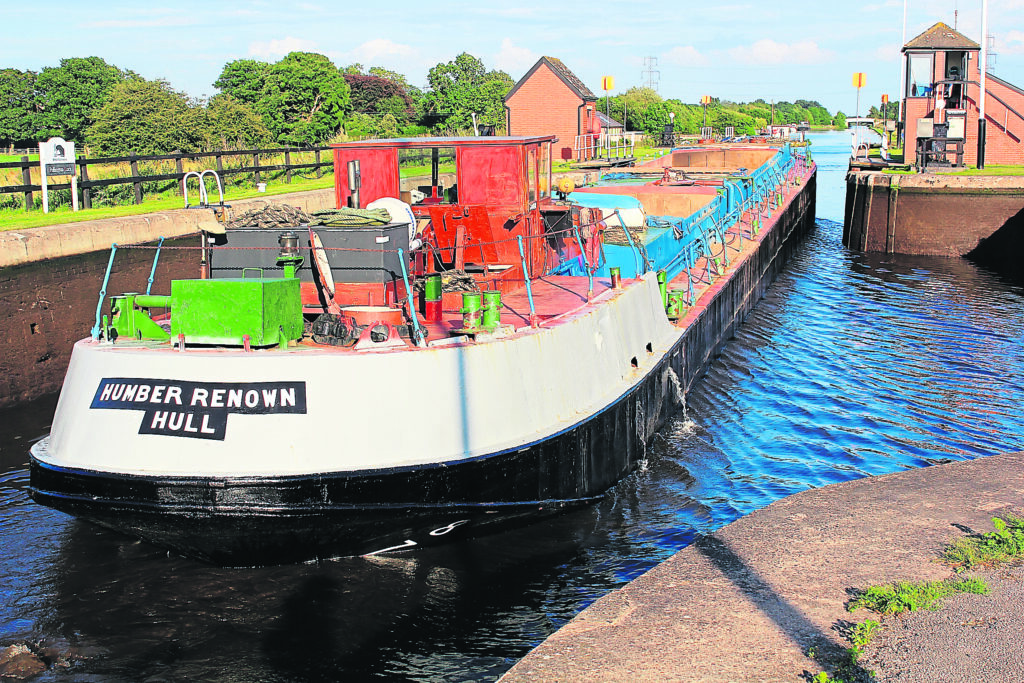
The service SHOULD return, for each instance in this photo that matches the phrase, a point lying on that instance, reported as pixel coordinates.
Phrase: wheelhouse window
(545, 169)
(432, 162)
(531, 173)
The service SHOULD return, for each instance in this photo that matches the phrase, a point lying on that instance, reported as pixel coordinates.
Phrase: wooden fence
(85, 185)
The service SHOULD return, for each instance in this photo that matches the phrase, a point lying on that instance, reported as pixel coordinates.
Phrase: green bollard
(492, 310)
(470, 310)
(663, 286)
(676, 301)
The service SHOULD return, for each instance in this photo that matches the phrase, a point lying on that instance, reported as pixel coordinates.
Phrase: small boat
(422, 364)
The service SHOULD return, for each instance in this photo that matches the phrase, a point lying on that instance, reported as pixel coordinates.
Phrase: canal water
(853, 365)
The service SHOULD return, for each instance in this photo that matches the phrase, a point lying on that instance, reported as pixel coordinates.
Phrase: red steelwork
(501, 187)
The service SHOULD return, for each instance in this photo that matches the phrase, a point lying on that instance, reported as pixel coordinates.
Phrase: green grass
(990, 169)
(906, 596)
(1005, 544)
(5, 158)
(19, 219)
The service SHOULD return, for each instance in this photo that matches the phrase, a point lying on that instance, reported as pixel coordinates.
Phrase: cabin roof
(564, 74)
(941, 37)
(481, 141)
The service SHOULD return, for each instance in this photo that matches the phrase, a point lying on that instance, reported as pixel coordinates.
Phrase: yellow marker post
(859, 81)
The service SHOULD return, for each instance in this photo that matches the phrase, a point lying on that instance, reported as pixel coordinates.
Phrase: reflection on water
(852, 365)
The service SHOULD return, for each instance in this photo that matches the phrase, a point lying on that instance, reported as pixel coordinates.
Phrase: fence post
(26, 178)
(180, 170)
(220, 164)
(287, 165)
(256, 165)
(319, 172)
(83, 171)
(136, 185)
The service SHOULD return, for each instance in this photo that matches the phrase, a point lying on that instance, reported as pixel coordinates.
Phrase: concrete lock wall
(932, 215)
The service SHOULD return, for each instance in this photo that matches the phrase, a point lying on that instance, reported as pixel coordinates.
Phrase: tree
(146, 117)
(376, 95)
(243, 79)
(233, 124)
(18, 118)
(463, 87)
(840, 120)
(70, 95)
(305, 100)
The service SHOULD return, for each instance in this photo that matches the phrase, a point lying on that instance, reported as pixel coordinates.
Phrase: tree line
(304, 99)
(643, 109)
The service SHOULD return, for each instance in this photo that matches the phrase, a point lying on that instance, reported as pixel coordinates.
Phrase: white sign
(57, 158)
(57, 151)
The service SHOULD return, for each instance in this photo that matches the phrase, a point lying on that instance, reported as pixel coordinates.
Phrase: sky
(735, 51)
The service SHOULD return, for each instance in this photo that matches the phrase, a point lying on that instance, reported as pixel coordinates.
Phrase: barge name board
(197, 410)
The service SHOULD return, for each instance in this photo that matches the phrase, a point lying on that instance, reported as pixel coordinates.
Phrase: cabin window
(531, 173)
(919, 75)
(437, 163)
(545, 169)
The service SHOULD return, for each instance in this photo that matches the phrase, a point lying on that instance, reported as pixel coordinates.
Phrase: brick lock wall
(545, 105)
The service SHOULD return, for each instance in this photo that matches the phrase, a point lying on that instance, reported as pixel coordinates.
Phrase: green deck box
(224, 310)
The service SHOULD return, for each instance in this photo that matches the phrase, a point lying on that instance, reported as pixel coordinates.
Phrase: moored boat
(317, 392)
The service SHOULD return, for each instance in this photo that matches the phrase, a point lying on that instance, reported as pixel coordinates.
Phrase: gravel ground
(971, 638)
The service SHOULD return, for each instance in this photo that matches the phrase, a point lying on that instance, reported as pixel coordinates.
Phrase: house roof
(564, 74)
(607, 121)
(941, 37)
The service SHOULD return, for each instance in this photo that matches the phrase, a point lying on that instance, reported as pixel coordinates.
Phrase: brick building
(943, 80)
(551, 99)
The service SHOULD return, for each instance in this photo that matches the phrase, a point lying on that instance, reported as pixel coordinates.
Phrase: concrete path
(748, 602)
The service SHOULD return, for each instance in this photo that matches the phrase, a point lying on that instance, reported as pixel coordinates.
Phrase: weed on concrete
(1003, 545)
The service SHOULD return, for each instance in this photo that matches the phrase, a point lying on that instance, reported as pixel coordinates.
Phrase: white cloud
(1013, 42)
(513, 59)
(684, 56)
(767, 51)
(372, 50)
(272, 49)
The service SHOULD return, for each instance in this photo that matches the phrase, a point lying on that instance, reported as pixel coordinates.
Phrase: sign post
(57, 158)
(885, 114)
(705, 101)
(859, 81)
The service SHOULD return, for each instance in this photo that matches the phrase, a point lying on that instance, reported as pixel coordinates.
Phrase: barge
(421, 366)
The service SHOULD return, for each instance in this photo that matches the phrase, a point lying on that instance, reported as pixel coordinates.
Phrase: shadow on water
(138, 612)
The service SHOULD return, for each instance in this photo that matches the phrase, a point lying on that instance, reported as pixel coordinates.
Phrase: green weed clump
(907, 596)
(1005, 544)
